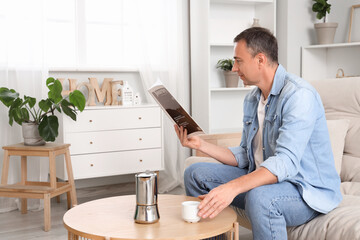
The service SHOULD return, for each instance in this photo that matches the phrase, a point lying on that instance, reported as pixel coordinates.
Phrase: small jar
(256, 23)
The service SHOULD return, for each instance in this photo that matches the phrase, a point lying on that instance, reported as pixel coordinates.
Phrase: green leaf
(17, 103)
(55, 88)
(225, 64)
(45, 105)
(67, 110)
(49, 82)
(25, 114)
(17, 115)
(30, 100)
(11, 119)
(78, 99)
(48, 128)
(57, 107)
(7, 96)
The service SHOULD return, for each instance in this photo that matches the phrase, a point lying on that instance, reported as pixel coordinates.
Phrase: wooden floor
(14, 225)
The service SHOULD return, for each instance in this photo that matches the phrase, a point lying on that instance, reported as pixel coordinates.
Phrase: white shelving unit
(320, 62)
(213, 26)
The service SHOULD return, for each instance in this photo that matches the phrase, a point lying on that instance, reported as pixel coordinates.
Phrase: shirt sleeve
(299, 115)
(240, 153)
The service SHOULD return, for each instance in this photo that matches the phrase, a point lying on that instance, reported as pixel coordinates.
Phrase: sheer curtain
(163, 35)
(21, 68)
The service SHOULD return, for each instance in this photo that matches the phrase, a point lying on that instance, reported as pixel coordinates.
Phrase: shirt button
(263, 148)
(254, 129)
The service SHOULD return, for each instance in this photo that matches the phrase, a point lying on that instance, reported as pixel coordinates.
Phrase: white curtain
(164, 54)
(22, 68)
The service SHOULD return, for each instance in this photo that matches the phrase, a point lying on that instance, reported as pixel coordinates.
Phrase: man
(283, 172)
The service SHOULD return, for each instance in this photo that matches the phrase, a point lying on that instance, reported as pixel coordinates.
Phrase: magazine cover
(173, 109)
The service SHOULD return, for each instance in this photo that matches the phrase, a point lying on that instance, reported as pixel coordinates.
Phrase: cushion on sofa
(341, 99)
(350, 169)
(337, 131)
(341, 223)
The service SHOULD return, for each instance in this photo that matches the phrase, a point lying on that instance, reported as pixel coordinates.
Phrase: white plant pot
(325, 32)
(31, 134)
(231, 79)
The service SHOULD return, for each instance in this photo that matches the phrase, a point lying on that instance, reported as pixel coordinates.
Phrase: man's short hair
(259, 40)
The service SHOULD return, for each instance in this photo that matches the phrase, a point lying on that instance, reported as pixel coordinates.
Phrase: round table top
(114, 218)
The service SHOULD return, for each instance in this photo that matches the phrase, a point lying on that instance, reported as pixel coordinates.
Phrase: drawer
(117, 140)
(116, 163)
(113, 118)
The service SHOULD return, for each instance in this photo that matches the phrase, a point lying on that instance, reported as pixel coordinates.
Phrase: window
(92, 33)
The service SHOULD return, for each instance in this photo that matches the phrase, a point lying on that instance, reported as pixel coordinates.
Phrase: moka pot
(146, 210)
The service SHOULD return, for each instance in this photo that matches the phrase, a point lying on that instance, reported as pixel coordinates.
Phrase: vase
(231, 79)
(325, 32)
(256, 23)
(31, 134)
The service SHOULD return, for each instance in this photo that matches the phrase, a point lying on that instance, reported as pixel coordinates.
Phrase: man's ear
(261, 59)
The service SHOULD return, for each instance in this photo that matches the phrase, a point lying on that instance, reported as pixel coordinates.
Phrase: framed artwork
(351, 19)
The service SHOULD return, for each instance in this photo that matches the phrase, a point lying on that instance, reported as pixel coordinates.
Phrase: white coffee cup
(190, 211)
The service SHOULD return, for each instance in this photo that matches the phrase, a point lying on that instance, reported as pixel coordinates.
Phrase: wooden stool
(40, 190)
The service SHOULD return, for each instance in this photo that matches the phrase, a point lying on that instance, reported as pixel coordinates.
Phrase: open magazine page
(173, 109)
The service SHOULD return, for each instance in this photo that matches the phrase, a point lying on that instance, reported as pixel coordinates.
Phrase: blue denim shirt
(296, 143)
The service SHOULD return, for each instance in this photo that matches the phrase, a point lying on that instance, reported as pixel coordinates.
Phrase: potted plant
(325, 31)
(39, 123)
(231, 78)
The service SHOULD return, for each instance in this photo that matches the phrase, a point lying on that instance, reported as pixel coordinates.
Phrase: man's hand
(192, 142)
(216, 200)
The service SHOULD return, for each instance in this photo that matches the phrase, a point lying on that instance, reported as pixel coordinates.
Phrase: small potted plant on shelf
(231, 78)
(325, 31)
(39, 123)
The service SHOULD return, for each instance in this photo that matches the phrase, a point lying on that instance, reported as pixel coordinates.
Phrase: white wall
(295, 28)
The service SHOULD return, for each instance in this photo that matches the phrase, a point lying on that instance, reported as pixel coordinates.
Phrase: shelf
(334, 45)
(93, 69)
(120, 106)
(222, 44)
(232, 89)
(242, 1)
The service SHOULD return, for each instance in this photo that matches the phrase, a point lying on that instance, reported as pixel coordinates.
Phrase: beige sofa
(341, 99)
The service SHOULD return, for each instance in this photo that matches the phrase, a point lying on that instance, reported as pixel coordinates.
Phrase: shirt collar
(278, 83)
(279, 80)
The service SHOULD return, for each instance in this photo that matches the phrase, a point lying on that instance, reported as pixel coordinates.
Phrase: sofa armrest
(220, 139)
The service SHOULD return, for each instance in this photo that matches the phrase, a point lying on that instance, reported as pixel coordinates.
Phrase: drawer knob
(91, 142)
(140, 139)
(140, 160)
(139, 118)
(91, 165)
(90, 120)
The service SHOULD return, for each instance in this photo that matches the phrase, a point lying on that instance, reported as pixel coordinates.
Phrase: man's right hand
(193, 142)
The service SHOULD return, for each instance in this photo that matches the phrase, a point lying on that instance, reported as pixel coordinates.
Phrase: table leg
(5, 169)
(70, 178)
(23, 182)
(236, 231)
(52, 170)
(47, 212)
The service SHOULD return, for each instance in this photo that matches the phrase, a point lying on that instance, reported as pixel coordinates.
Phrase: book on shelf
(173, 109)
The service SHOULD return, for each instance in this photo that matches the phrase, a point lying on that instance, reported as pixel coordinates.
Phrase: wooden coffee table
(113, 218)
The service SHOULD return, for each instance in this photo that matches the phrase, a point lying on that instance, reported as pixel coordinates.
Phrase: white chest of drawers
(113, 140)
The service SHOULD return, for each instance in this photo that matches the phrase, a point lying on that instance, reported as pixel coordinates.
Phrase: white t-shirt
(258, 141)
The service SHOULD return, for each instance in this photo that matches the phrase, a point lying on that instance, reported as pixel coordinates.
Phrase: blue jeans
(270, 208)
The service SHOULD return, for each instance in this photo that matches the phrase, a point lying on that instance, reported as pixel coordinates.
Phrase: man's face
(245, 65)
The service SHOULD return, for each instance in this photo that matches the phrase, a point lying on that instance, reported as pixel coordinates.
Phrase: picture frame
(351, 19)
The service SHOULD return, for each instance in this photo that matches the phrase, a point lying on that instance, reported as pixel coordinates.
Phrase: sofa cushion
(350, 169)
(350, 188)
(341, 99)
(341, 223)
(337, 131)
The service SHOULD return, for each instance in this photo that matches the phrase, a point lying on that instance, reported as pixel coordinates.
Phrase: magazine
(173, 109)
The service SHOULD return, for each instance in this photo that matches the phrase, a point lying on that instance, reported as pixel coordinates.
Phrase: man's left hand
(216, 200)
